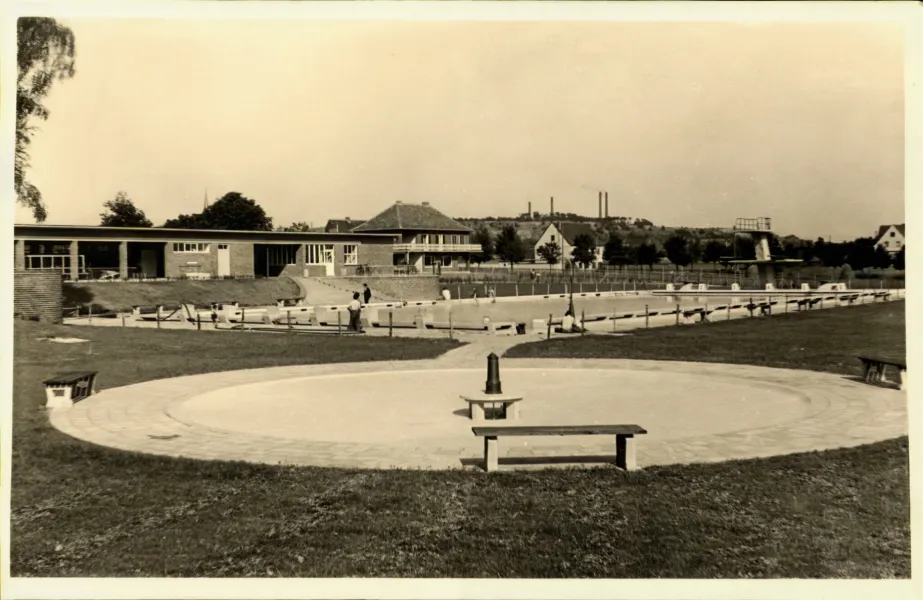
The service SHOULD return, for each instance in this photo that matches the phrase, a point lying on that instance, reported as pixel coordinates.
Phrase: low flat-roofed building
(89, 252)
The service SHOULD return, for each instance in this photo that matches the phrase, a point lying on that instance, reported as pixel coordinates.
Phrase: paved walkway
(765, 411)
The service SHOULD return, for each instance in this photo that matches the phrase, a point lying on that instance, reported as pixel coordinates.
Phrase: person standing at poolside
(366, 293)
(446, 294)
(355, 308)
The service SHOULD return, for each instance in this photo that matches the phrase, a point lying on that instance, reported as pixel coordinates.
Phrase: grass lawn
(82, 510)
(820, 340)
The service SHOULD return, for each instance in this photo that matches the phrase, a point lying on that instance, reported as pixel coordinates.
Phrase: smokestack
(530, 210)
(600, 205)
(552, 206)
(607, 205)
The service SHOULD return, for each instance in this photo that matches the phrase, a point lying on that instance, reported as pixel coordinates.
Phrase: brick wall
(176, 264)
(241, 259)
(37, 295)
(376, 254)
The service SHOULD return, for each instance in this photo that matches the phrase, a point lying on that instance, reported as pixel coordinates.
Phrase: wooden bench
(624, 439)
(875, 369)
(64, 389)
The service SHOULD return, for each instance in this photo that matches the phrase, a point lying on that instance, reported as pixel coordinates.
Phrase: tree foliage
(714, 251)
(233, 211)
(45, 54)
(300, 226)
(482, 237)
(550, 253)
(509, 248)
(678, 249)
(122, 212)
(899, 259)
(647, 253)
(615, 252)
(584, 252)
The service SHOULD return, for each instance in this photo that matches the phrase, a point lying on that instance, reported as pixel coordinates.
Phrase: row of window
(315, 254)
(439, 238)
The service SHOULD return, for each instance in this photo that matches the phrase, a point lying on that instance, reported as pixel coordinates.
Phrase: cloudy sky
(682, 123)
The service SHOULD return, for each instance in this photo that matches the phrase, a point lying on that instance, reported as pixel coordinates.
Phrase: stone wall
(376, 255)
(412, 287)
(37, 295)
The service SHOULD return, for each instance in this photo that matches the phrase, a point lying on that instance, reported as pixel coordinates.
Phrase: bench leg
(491, 454)
(625, 452)
(880, 373)
(512, 411)
(868, 371)
(477, 411)
(902, 379)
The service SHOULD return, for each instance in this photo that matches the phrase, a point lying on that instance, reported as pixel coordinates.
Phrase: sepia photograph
(504, 299)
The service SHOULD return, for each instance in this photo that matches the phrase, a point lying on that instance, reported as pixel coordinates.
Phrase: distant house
(891, 237)
(563, 235)
(427, 237)
(341, 225)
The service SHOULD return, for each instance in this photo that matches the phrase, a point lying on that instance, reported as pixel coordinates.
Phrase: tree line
(685, 248)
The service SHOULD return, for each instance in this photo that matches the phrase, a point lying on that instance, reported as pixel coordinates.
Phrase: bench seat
(624, 439)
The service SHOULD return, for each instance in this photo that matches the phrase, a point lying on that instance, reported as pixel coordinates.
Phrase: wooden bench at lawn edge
(875, 369)
(624, 439)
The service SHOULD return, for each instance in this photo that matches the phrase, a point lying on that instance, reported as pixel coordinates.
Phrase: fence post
(647, 317)
(785, 298)
(677, 313)
(243, 318)
(391, 323)
(123, 319)
(450, 325)
(198, 321)
(750, 306)
(288, 321)
(548, 335)
(729, 311)
(614, 320)
(157, 316)
(549, 288)
(582, 322)
(339, 321)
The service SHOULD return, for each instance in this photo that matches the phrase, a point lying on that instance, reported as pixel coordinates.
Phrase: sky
(691, 124)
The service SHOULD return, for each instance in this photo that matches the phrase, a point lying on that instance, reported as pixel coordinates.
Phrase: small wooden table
(477, 400)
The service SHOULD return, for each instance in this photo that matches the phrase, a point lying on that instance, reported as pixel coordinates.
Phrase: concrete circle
(409, 415)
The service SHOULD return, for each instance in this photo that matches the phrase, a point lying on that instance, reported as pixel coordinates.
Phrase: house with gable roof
(563, 235)
(427, 237)
(891, 237)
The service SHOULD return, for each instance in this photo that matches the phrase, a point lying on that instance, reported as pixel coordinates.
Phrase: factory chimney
(552, 206)
(530, 211)
(600, 205)
(607, 205)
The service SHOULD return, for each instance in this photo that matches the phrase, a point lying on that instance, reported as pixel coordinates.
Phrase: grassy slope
(84, 510)
(124, 295)
(822, 340)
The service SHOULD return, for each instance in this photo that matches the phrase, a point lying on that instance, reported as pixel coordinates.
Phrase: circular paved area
(409, 414)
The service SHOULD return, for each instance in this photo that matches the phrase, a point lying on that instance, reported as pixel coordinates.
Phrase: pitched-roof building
(341, 225)
(891, 237)
(428, 237)
(563, 236)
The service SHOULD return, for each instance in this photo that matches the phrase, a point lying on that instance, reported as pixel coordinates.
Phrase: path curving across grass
(85, 510)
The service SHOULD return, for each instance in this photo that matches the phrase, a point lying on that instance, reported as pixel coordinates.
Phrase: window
(552, 237)
(887, 244)
(897, 244)
(279, 256)
(199, 247)
(892, 234)
(351, 254)
(318, 254)
(222, 246)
